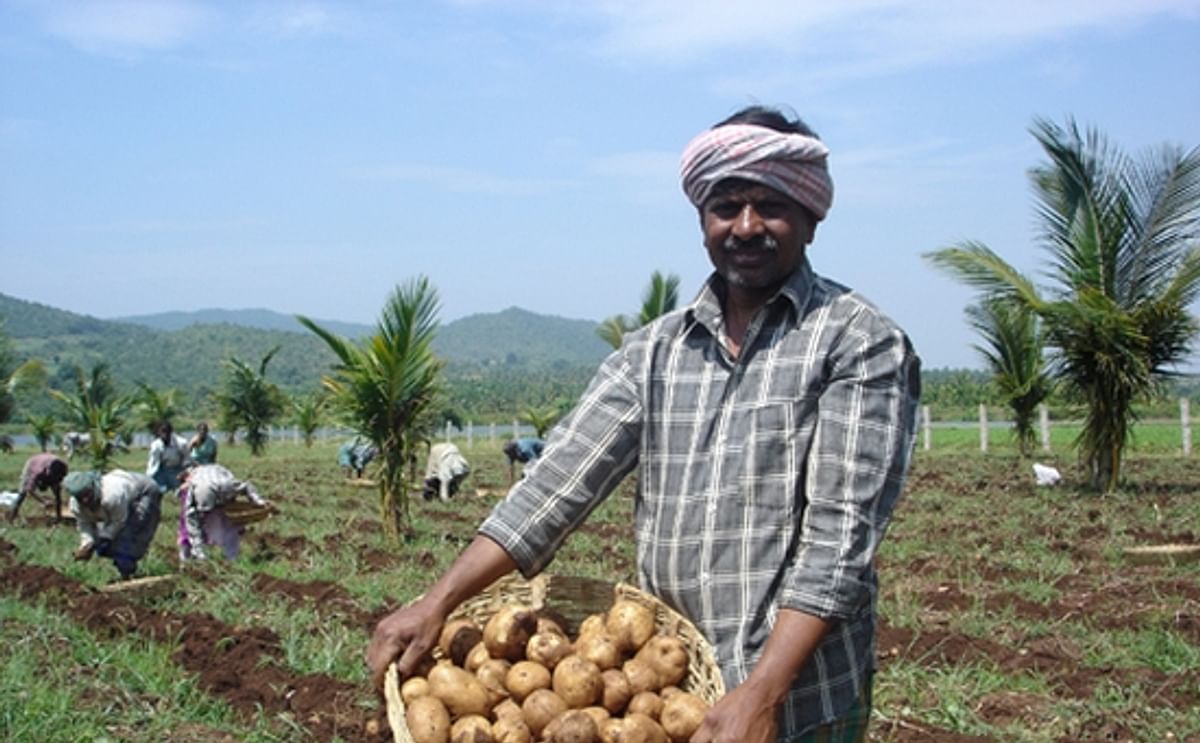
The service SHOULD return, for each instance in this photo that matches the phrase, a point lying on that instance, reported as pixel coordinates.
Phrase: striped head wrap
(793, 164)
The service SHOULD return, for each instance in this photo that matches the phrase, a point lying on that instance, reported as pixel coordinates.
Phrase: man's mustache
(758, 242)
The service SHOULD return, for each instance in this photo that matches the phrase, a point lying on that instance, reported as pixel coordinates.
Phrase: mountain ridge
(512, 335)
(496, 363)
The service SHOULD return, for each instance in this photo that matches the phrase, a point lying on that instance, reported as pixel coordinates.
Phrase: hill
(496, 363)
(263, 319)
(512, 336)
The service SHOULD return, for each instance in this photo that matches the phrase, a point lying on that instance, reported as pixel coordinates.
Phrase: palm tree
(95, 407)
(1014, 355)
(542, 418)
(307, 409)
(43, 428)
(1124, 268)
(613, 330)
(153, 406)
(660, 297)
(388, 388)
(249, 401)
(16, 378)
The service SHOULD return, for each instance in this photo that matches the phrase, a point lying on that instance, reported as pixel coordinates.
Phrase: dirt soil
(244, 666)
(241, 665)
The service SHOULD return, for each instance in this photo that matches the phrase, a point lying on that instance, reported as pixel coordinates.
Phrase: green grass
(970, 525)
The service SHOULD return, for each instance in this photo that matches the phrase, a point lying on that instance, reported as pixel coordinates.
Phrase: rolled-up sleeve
(585, 458)
(860, 452)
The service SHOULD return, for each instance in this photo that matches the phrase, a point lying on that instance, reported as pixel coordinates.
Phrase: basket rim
(541, 589)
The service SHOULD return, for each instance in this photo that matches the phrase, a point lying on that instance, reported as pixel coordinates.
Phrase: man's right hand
(409, 635)
(84, 552)
(406, 636)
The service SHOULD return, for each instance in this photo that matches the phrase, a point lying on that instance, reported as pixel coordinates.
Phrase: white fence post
(447, 431)
(925, 424)
(1185, 420)
(983, 428)
(470, 434)
(516, 429)
(1044, 421)
(492, 433)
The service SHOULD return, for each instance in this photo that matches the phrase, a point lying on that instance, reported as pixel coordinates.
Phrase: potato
(631, 624)
(526, 677)
(577, 680)
(428, 720)
(471, 729)
(574, 726)
(457, 638)
(548, 648)
(682, 714)
(507, 708)
(591, 624)
(645, 703)
(492, 675)
(642, 676)
(511, 728)
(668, 656)
(462, 693)
(638, 728)
(539, 708)
(617, 693)
(476, 657)
(600, 648)
(549, 620)
(610, 729)
(508, 631)
(598, 715)
(414, 687)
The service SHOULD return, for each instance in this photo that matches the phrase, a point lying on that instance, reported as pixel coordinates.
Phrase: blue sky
(308, 156)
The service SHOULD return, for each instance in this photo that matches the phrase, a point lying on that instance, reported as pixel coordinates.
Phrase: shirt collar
(796, 291)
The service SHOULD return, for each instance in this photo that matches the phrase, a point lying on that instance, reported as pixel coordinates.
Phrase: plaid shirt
(766, 480)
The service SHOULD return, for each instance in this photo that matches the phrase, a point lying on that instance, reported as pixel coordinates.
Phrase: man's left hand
(741, 716)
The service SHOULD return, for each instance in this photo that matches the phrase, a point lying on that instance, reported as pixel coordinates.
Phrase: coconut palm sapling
(387, 388)
(1124, 267)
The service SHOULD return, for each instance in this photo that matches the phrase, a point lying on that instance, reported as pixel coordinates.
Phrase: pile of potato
(521, 679)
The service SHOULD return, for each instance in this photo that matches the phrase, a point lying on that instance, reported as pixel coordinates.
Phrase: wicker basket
(242, 512)
(575, 598)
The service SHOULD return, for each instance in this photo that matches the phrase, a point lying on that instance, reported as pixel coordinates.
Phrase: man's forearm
(480, 564)
(789, 647)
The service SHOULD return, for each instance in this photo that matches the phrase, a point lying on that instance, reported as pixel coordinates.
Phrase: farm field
(1009, 611)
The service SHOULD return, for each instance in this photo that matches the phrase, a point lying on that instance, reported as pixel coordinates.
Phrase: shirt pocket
(770, 469)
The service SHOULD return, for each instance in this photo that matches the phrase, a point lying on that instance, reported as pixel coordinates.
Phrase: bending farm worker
(205, 491)
(116, 515)
(41, 472)
(523, 450)
(445, 471)
(770, 423)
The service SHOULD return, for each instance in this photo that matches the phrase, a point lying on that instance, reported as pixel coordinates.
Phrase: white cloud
(126, 27)
(859, 37)
(307, 19)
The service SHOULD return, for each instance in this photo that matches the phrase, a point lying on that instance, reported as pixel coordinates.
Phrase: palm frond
(979, 266)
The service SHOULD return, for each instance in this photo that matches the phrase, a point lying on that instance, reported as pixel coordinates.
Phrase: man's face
(755, 235)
